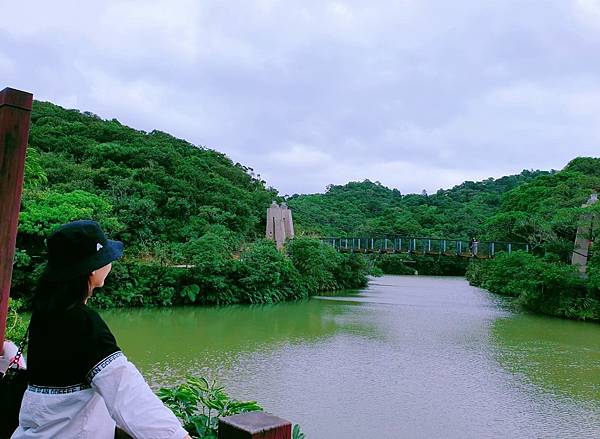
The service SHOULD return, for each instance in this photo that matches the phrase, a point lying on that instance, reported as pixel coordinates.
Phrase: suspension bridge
(425, 246)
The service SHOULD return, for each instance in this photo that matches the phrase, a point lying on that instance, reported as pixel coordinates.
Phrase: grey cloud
(415, 94)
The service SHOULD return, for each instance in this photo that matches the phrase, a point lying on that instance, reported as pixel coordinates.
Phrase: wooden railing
(254, 425)
(15, 114)
(420, 245)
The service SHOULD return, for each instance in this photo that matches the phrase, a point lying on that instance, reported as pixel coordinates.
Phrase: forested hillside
(546, 212)
(162, 188)
(371, 209)
(172, 203)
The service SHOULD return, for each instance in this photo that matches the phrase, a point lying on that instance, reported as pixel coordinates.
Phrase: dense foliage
(371, 209)
(16, 322)
(261, 274)
(546, 212)
(160, 187)
(540, 284)
(189, 217)
(360, 209)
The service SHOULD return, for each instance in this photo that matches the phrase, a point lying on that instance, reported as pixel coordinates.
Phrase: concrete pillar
(583, 238)
(280, 225)
(288, 223)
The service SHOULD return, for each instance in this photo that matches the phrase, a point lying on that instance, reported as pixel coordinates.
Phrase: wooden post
(254, 425)
(15, 114)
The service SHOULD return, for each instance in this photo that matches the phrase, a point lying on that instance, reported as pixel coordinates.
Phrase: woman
(80, 383)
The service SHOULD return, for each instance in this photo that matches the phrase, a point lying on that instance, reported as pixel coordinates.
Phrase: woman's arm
(131, 402)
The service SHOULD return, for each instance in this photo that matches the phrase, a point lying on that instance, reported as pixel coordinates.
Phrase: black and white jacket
(81, 385)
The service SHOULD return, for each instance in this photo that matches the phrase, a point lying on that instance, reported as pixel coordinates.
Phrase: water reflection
(559, 356)
(206, 340)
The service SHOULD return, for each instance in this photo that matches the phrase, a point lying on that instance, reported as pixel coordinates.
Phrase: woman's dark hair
(60, 295)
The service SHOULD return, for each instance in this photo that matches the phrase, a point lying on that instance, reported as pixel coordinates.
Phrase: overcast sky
(416, 94)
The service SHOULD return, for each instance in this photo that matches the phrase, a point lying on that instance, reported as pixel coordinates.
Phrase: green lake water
(407, 357)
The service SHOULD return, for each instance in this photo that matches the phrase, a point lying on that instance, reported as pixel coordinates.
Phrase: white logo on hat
(99, 246)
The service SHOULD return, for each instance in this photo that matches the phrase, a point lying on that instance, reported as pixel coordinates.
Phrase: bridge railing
(421, 245)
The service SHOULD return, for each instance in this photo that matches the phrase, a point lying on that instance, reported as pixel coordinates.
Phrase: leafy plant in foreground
(199, 404)
(297, 433)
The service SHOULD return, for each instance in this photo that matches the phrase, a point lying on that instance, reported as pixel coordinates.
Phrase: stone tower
(280, 225)
(583, 239)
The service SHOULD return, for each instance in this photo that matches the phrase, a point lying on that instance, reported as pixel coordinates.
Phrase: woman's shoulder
(100, 340)
(93, 317)
(90, 312)
(79, 316)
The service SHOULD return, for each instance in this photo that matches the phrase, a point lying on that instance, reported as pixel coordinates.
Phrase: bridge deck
(419, 253)
(425, 246)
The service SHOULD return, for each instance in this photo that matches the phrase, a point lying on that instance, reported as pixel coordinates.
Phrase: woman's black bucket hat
(78, 248)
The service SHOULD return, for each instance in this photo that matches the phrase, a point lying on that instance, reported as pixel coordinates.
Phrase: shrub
(540, 285)
(16, 322)
(199, 404)
(266, 275)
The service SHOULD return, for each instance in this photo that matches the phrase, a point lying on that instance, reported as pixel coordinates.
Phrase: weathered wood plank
(15, 114)
(254, 425)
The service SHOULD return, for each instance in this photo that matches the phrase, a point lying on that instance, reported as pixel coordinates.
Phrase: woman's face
(97, 277)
